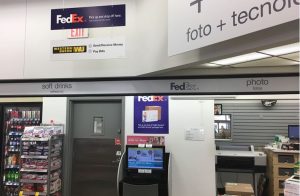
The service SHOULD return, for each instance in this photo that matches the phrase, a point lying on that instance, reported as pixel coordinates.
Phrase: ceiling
(282, 59)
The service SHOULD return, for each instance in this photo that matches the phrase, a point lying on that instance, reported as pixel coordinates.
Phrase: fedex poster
(151, 114)
(88, 17)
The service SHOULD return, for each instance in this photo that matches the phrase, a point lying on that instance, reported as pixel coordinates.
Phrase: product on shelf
(41, 158)
(15, 120)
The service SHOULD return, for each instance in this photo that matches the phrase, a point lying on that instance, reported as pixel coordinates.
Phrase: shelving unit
(15, 120)
(41, 168)
(280, 167)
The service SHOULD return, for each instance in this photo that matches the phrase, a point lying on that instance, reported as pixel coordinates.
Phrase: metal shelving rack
(53, 152)
(15, 118)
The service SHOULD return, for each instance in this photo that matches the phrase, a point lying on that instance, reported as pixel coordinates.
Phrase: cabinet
(280, 167)
(41, 161)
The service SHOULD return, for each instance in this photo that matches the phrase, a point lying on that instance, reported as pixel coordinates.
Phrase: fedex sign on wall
(151, 114)
(88, 17)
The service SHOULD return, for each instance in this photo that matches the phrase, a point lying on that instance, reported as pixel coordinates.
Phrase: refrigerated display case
(14, 119)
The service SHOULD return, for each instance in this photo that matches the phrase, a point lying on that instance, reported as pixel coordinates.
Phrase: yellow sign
(69, 49)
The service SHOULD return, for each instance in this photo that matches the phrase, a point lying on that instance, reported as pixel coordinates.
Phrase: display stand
(144, 184)
(41, 163)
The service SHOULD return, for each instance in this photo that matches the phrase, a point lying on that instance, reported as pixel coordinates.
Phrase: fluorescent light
(211, 65)
(241, 59)
(286, 49)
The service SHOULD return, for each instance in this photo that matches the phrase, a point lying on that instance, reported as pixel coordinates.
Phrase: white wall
(55, 108)
(26, 35)
(193, 162)
(12, 38)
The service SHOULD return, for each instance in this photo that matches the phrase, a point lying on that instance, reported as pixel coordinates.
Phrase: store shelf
(14, 150)
(53, 148)
(33, 157)
(15, 133)
(55, 191)
(34, 170)
(55, 168)
(33, 181)
(12, 167)
(55, 155)
(11, 183)
(33, 193)
(34, 139)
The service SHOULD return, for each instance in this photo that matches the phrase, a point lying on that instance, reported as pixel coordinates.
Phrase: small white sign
(80, 49)
(78, 33)
(194, 134)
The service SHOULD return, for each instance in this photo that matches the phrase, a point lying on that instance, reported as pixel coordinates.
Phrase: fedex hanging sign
(88, 17)
(73, 18)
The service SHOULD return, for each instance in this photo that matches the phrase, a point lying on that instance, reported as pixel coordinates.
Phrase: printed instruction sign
(154, 140)
(88, 17)
(194, 24)
(78, 49)
(151, 114)
(194, 134)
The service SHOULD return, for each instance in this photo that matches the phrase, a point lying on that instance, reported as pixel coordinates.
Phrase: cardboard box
(240, 189)
(157, 108)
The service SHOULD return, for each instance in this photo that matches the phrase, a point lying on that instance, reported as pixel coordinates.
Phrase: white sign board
(194, 24)
(79, 49)
(194, 134)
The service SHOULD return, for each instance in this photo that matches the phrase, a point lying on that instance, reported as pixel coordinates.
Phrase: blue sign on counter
(88, 17)
(151, 114)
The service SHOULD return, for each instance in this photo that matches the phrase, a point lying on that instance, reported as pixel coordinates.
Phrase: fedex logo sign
(73, 18)
(150, 98)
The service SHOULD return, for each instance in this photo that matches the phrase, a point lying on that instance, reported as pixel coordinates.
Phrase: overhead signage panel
(258, 85)
(88, 17)
(96, 48)
(194, 24)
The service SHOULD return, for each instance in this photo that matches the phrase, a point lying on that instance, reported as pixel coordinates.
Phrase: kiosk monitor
(145, 158)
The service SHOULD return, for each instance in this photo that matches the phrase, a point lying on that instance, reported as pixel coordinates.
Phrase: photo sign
(88, 17)
(195, 24)
(151, 114)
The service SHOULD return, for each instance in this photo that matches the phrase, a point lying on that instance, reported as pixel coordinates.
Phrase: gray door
(95, 126)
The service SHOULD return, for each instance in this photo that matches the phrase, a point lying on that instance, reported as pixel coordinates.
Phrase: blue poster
(151, 114)
(88, 17)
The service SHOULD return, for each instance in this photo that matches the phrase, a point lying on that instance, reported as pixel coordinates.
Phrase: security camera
(268, 103)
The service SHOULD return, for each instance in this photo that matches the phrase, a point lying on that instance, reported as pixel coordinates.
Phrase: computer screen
(145, 158)
(293, 131)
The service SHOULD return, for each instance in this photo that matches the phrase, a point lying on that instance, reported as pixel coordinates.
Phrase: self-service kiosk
(144, 170)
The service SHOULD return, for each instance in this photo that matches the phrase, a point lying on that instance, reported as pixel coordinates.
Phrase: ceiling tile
(294, 56)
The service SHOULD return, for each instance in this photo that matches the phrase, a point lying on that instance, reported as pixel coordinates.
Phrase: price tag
(141, 145)
(21, 193)
(37, 194)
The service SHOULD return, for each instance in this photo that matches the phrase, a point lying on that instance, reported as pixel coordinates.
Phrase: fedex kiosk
(144, 170)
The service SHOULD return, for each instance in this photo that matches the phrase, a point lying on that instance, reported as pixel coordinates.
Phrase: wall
(192, 161)
(55, 108)
(26, 35)
(254, 124)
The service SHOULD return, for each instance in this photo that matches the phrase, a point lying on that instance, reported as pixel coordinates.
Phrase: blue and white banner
(88, 17)
(151, 114)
